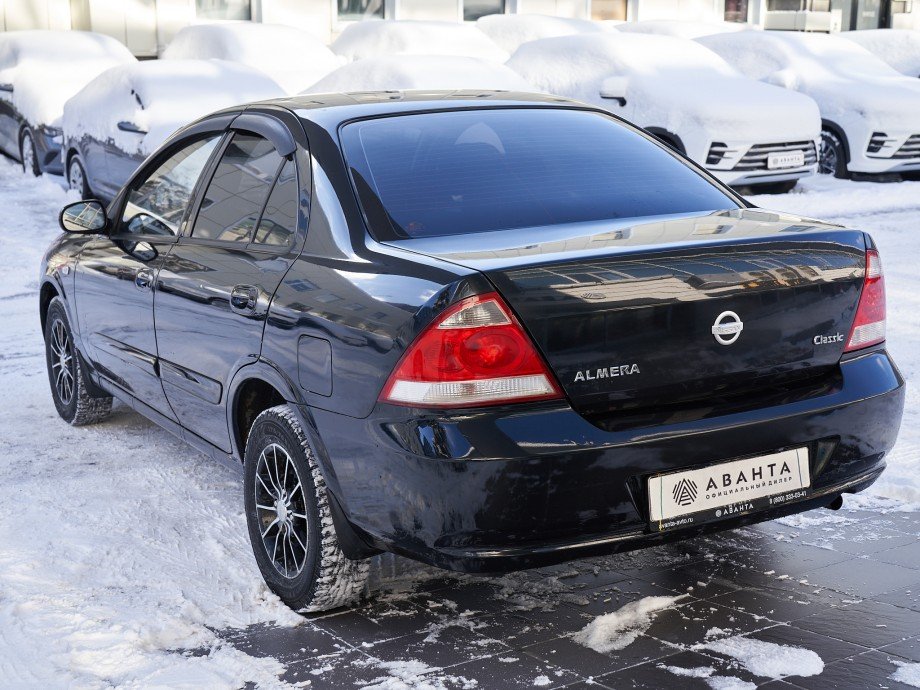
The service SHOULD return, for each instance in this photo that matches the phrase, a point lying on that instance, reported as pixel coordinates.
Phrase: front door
(216, 284)
(116, 275)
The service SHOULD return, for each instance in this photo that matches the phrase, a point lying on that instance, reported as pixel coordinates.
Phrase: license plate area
(690, 497)
(788, 159)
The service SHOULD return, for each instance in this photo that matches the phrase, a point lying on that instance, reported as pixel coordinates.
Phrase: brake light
(869, 324)
(475, 353)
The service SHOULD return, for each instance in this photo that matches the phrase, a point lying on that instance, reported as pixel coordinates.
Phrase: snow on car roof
(683, 28)
(292, 57)
(45, 68)
(511, 30)
(376, 37)
(900, 48)
(407, 72)
(158, 97)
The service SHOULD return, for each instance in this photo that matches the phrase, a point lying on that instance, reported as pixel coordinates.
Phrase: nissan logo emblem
(727, 328)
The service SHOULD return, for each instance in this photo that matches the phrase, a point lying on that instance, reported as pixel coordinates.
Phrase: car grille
(910, 148)
(756, 156)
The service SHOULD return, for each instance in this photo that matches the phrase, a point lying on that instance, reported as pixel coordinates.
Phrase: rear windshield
(471, 171)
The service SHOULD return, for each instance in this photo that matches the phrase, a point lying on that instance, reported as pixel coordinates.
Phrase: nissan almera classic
(486, 331)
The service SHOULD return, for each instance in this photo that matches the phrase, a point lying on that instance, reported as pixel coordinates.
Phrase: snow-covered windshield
(473, 171)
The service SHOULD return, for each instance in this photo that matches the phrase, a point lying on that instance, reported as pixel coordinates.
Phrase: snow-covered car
(744, 132)
(870, 113)
(408, 72)
(680, 28)
(509, 31)
(374, 38)
(39, 71)
(292, 57)
(900, 48)
(124, 114)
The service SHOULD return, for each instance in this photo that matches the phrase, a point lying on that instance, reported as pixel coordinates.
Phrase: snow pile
(843, 77)
(670, 83)
(511, 30)
(159, 97)
(889, 213)
(374, 38)
(683, 28)
(618, 630)
(909, 674)
(767, 659)
(707, 673)
(292, 57)
(46, 68)
(405, 72)
(900, 48)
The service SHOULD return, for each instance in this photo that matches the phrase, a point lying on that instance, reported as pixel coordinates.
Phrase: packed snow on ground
(509, 31)
(46, 68)
(292, 57)
(680, 28)
(159, 96)
(767, 659)
(374, 38)
(900, 48)
(709, 675)
(844, 78)
(909, 674)
(120, 547)
(404, 72)
(672, 83)
(619, 629)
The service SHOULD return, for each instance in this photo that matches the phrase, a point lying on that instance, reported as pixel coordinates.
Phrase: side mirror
(126, 126)
(84, 217)
(614, 88)
(5, 86)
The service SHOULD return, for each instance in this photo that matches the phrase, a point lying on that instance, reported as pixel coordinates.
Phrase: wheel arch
(47, 292)
(839, 133)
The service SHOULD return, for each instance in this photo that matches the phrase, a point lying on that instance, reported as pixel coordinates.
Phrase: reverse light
(475, 353)
(869, 324)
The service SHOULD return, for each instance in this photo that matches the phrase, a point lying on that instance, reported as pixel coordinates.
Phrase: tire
(65, 372)
(76, 177)
(311, 573)
(832, 158)
(27, 153)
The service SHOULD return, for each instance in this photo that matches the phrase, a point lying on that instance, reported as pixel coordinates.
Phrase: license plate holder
(727, 489)
(785, 159)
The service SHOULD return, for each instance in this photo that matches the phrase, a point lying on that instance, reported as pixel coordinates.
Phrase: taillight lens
(869, 324)
(475, 353)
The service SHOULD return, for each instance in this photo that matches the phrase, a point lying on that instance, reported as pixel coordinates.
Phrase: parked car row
(757, 109)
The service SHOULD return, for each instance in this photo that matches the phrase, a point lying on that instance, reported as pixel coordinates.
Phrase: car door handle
(243, 298)
(143, 279)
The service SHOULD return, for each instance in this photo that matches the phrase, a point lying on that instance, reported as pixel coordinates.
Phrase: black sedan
(486, 331)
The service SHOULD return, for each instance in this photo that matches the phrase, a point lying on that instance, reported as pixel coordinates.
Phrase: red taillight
(869, 324)
(475, 353)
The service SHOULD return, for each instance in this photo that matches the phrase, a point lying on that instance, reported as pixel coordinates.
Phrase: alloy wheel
(75, 179)
(829, 157)
(281, 507)
(62, 361)
(28, 154)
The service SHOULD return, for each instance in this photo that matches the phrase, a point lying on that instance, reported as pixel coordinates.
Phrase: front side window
(236, 193)
(156, 205)
(470, 171)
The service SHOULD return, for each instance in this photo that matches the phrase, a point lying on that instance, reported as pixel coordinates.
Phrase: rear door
(216, 284)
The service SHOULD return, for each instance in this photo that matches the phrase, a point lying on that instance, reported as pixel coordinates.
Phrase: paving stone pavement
(845, 585)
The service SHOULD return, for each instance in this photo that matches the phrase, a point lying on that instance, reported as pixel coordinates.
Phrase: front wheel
(65, 372)
(290, 524)
(76, 177)
(832, 159)
(28, 155)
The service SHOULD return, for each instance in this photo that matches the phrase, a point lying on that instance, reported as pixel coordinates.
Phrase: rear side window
(472, 171)
(279, 220)
(238, 189)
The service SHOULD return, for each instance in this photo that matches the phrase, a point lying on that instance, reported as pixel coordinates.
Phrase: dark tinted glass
(237, 191)
(279, 220)
(473, 171)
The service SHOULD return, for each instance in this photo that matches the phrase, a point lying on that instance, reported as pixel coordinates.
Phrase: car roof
(331, 110)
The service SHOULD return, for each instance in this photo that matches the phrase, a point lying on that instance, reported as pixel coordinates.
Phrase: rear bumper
(513, 488)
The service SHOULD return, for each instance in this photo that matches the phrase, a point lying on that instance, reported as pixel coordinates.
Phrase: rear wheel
(290, 524)
(833, 157)
(76, 177)
(27, 153)
(65, 372)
